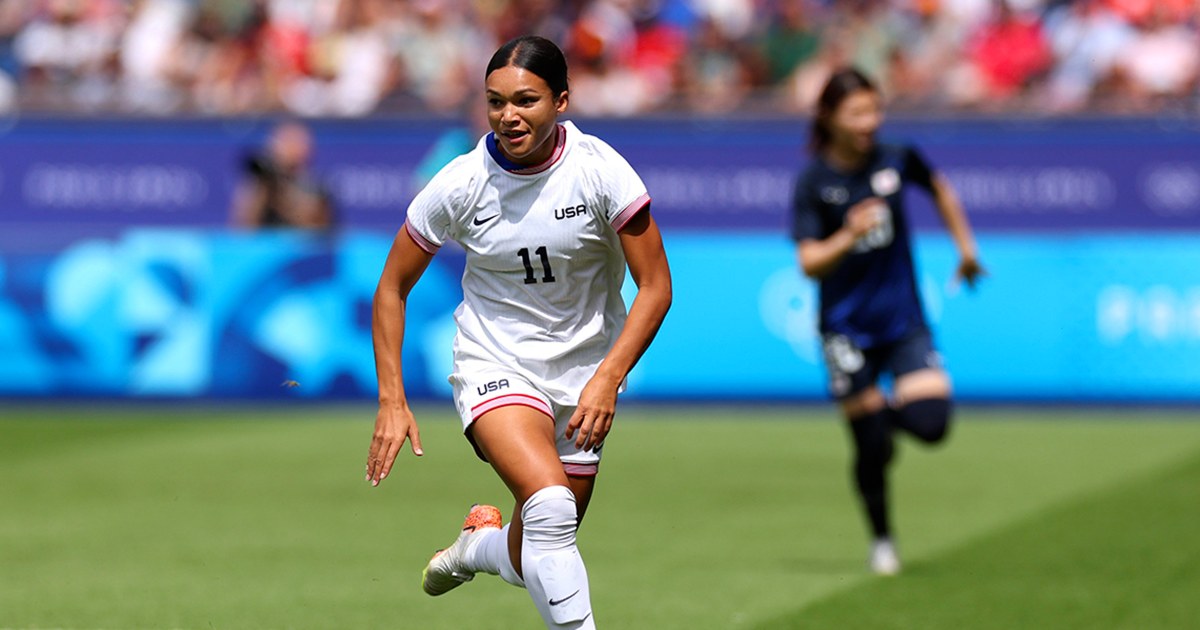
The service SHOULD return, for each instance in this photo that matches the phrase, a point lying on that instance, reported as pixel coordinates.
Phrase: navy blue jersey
(871, 297)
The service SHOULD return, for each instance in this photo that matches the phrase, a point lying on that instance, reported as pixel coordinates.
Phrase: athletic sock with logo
(554, 572)
(490, 555)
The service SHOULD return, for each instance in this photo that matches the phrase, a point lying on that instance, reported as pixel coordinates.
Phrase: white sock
(554, 571)
(490, 555)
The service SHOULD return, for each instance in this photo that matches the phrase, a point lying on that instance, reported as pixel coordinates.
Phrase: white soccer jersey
(544, 268)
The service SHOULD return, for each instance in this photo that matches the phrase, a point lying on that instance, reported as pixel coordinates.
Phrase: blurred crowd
(356, 57)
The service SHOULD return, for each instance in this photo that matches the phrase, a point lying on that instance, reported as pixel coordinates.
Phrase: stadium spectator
(12, 19)
(1140, 11)
(67, 52)
(717, 76)
(230, 77)
(278, 189)
(544, 343)
(345, 71)
(852, 236)
(658, 57)
(357, 57)
(928, 41)
(1160, 62)
(790, 40)
(509, 19)
(147, 51)
(437, 48)
(1005, 55)
(603, 41)
(870, 29)
(1087, 38)
(13, 15)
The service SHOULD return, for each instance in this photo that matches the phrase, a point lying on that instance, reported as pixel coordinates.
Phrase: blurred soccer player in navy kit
(852, 237)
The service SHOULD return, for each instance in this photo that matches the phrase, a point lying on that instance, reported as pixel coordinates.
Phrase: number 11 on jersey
(547, 274)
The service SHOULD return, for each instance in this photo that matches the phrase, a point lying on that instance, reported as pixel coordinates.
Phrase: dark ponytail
(843, 83)
(535, 54)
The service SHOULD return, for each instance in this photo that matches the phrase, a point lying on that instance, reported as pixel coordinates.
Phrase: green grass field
(704, 518)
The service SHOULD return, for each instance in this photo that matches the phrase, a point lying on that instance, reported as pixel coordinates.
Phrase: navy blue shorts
(851, 369)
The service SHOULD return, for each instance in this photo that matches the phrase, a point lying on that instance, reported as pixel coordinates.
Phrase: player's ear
(560, 103)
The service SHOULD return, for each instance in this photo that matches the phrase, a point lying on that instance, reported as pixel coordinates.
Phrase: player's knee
(549, 517)
(927, 419)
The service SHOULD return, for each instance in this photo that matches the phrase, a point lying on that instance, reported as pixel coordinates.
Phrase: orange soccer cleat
(446, 570)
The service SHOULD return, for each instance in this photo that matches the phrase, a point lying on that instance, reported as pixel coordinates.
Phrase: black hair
(843, 83)
(535, 54)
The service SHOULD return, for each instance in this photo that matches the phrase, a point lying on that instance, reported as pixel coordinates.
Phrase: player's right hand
(969, 271)
(865, 216)
(393, 425)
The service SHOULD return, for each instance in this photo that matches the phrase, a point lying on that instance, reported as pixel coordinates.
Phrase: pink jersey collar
(560, 144)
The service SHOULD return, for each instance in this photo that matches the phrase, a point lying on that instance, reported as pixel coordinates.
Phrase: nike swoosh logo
(479, 221)
(557, 602)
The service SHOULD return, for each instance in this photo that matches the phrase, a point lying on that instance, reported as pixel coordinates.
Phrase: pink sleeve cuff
(429, 246)
(630, 211)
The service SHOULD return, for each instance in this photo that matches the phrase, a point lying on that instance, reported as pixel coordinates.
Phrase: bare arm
(818, 258)
(249, 204)
(647, 262)
(394, 423)
(955, 219)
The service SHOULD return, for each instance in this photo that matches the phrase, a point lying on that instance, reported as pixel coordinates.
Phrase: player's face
(291, 146)
(856, 121)
(523, 112)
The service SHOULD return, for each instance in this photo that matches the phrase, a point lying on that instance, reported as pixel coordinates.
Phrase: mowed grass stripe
(704, 517)
(1125, 558)
(776, 497)
(251, 519)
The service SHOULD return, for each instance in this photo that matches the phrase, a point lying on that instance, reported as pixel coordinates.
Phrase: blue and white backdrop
(118, 277)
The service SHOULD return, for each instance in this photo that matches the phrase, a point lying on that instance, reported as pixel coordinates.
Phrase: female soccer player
(549, 218)
(852, 235)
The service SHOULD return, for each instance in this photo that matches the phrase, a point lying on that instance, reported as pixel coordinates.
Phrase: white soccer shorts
(480, 387)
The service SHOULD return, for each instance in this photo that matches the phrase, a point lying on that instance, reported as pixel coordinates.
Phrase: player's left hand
(593, 416)
(970, 271)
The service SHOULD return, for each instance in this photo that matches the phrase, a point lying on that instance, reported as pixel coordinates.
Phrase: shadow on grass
(1124, 558)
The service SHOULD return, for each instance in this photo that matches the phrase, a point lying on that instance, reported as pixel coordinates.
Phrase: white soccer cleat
(445, 570)
(884, 560)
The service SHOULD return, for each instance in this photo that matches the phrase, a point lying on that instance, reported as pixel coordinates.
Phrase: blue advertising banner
(1089, 317)
(206, 313)
(1011, 174)
(95, 177)
(189, 313)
